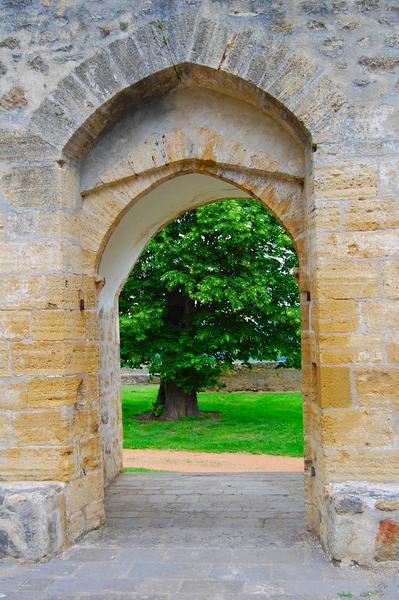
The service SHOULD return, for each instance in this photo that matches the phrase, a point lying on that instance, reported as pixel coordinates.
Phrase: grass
(255, 422)
(141, 470)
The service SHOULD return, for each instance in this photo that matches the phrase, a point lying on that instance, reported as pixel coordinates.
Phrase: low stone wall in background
(137, 377)
(265, 376)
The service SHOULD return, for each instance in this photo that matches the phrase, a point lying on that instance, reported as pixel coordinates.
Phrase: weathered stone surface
(387, 541)
(24, 146)
(388, 505)
(37, 463)
(377, 64)
(98, 75)
(32, 519)
(129, 60)
(13, 99)
(53, 123)
(335, 387)
(352, 525)
(210, 42)
(347, 504)
(40, 186)
(332, 46)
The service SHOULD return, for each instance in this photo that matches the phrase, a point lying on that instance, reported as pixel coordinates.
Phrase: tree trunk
(176, 402)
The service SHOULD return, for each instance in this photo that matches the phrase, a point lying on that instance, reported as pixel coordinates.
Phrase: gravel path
(210, 462)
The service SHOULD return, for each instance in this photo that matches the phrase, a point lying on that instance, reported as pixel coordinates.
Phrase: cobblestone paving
(186, 537)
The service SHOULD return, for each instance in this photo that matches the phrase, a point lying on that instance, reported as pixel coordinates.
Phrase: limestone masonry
(116, 116)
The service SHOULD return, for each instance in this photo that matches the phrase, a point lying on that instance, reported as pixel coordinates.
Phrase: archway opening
(211, 312)
(147, 216)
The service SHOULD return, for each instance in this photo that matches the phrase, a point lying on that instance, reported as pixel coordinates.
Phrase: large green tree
(214, 286)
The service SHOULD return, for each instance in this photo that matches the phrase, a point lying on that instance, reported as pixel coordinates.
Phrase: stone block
(381, 316)
(22, 292)
(388, 505)
(36, 358)
(40, 186)
(45, 463)
(355, 427)
(348, 504)
(176, 145)
(367, 216)
(390, 279)
(98, 216)
(72, 95)
(23, 146)
(387, 541)
(94, 514)
(347, 279)
(315, 104)
(358, 349)
(53, 123)
(39, 256)
(353, 526)
(14, 98)
(89, 455)
(55, 357)
(326, 215)
(293, 78)
(81, 492)
(32, 519)
(393, 348)
(12, 393)
(128, 59)
(334, 387)
(346, 180)
(14, 325)
(269, 56)
(179, 32)
(81, 357)
(337, 316)
(358, 244)
(360, 464)
(378, 387)
(4, 359)
(5, 429)
(242, 52)
(45, 427)
(52, 392)
(57, 224)
(66, 291)
(98, 74)
(76, 526)
(153, 43)
(388, 184)
(63, 325)
(210, 41)
(81, 422)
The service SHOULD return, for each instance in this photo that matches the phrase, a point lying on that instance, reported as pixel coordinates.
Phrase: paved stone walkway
(186, 537)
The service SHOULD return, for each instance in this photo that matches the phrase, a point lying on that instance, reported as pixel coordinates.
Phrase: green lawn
(256, 422)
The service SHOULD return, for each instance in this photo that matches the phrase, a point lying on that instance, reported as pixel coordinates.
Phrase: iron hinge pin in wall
(313, 471)
(308, 296)
(82, 304)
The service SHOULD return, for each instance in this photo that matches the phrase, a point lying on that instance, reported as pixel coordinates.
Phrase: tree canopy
(214, 286)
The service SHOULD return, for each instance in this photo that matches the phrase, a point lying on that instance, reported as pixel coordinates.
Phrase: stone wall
(137, 377)
(269, 377)
(106, 136)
